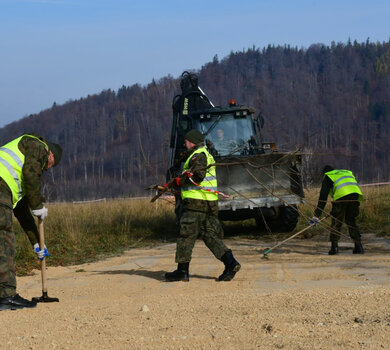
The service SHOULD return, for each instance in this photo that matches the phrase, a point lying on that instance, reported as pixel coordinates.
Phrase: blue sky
(58, 50)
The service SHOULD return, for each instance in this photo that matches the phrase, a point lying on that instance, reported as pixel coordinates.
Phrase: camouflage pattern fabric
(26, 220)
(7, 243)
(195, 225)
(35, 161)
(36, 157)
(198, 218)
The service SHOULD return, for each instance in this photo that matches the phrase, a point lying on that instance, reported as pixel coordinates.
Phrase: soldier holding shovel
(22, 162)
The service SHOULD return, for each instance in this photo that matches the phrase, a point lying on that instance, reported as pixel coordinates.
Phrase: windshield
(228, 135)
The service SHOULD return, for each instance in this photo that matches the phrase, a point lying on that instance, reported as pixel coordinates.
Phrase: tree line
(332, 102)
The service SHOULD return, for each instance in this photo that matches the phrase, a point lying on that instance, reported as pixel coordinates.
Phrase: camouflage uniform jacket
(35, 161)
(197, 165)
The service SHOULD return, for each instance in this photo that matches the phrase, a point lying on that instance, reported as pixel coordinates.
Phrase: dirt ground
(300, 298)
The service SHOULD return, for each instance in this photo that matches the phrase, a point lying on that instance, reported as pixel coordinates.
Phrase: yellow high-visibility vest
(208, 183)
(11, 165)
(344, 183)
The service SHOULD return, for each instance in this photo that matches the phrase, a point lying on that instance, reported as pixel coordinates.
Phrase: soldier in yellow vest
(347, 196)
(22, 162)
(199, 214)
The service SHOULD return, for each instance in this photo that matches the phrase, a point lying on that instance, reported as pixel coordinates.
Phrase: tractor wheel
(285, 221)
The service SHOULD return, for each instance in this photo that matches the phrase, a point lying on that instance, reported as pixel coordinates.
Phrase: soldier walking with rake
(199, 211)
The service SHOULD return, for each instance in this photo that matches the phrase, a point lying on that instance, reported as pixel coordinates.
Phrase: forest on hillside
(333, 102)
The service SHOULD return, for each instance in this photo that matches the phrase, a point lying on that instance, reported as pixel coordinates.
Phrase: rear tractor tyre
(285, 221)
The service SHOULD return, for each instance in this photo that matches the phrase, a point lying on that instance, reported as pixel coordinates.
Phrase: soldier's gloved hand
(314, 221)
(40, 253)
(40, 213)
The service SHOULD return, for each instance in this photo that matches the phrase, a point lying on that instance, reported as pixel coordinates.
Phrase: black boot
(231, 267)
(181, 274)
(358, 248)
(16, 302)
(334, 249)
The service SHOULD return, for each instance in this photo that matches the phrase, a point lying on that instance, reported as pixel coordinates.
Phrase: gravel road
(299, 298)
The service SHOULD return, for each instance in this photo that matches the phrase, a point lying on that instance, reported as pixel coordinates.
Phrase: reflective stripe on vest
(208, 183)
(344, 183)
(11, 165)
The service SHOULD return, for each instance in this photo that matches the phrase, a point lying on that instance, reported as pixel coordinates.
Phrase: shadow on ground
(157, 275)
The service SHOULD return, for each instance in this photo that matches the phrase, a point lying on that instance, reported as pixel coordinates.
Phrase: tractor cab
(228, 131)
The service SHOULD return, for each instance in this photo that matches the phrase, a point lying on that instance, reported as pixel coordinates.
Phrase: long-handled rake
(291, 237)
(44, 298)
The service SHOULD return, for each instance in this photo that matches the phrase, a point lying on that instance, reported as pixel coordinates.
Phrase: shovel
(44, 298)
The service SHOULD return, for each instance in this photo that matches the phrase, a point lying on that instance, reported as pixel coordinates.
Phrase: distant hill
(332, 100)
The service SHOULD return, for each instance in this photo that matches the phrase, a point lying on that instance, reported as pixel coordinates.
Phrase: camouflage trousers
(7, 244)
(195, 225)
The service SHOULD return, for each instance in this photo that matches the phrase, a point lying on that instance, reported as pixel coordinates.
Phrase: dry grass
(76, 233)
(374, 214)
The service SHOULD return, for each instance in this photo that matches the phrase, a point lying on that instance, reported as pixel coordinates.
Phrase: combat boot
(358, 248)
(334, 249)
(181, 274)
(16, 302)
(232, 266)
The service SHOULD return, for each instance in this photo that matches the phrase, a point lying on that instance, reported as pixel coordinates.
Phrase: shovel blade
(45, 299)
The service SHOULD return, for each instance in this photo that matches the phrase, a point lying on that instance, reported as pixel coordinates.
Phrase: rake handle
(291, 237)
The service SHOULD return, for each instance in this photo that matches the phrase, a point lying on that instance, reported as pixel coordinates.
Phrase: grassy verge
(84, 232)
(374, 214)
(77, 233)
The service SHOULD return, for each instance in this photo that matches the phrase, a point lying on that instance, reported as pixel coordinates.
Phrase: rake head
(265, 254)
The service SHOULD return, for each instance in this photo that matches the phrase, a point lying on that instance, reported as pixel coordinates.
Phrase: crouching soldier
(22, 162)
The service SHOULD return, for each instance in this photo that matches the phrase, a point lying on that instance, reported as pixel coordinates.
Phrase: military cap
(56, 150)
(194, 136)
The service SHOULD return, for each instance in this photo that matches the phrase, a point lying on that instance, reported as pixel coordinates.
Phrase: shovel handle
(43, 262)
